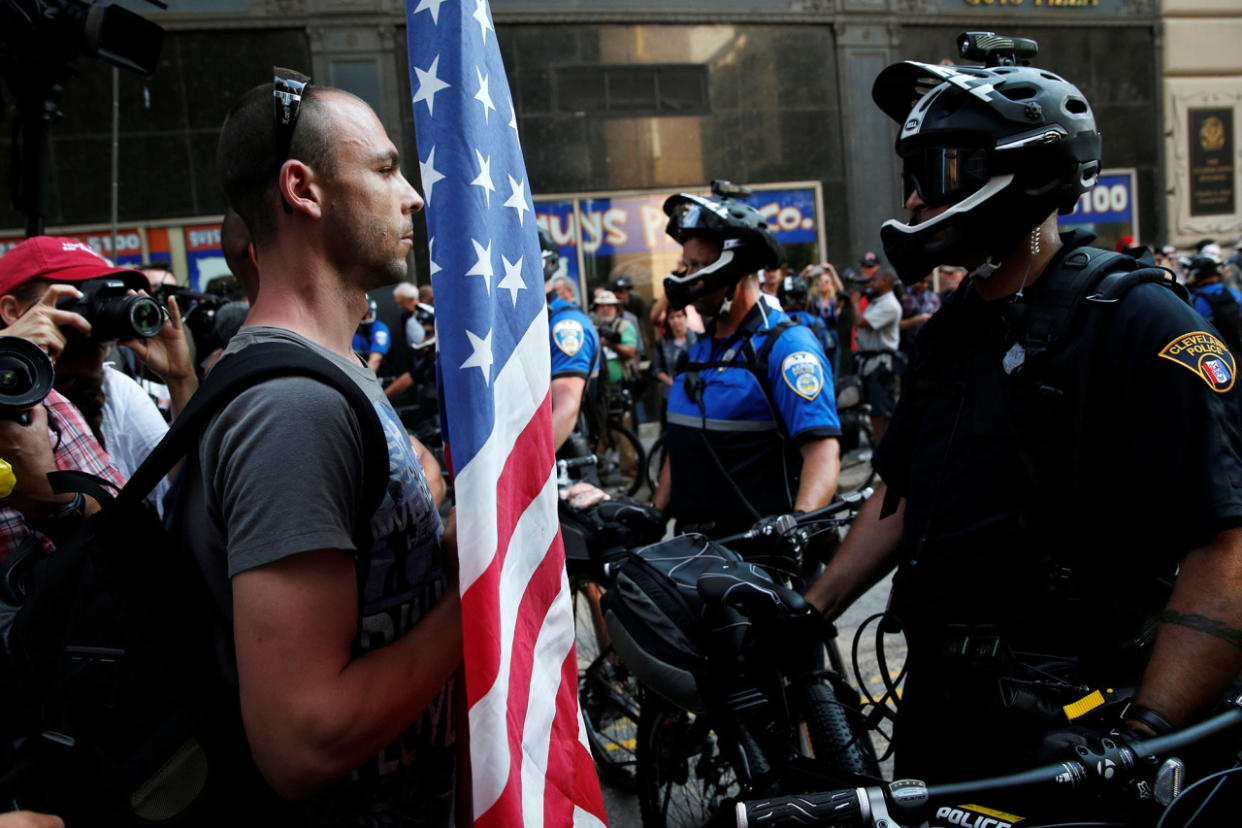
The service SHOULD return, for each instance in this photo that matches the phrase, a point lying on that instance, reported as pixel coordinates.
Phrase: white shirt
(883, 314)
(131, 427)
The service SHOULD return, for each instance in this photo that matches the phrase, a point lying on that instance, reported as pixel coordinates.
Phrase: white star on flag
(432, 6)
(513, 277)
(513, 117)
(483, 96)
(517, 199)
(480, 14)
(484, 178)
(481, 358)
(428, 85)
(483, 267)
(430, 175)
(431, 243)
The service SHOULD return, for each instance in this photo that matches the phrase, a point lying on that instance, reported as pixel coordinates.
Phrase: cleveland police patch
(804, 374)
(1205, 356)
(568, 336)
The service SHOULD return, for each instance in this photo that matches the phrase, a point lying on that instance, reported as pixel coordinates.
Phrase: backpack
(119, 707)
(654, 613)
(1226, 317)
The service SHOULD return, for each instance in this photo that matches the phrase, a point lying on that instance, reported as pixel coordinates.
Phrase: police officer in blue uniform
(574, 344)
(372, 339)
(1067, 444)
(752, 421)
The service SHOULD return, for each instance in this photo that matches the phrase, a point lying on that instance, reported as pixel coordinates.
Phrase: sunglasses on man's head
(287, 89)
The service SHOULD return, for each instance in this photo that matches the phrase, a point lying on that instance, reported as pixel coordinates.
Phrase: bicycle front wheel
(683, 777)
(622, 461)
(607, 692)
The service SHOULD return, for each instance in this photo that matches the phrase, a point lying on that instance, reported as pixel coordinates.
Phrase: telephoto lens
(26, 376)
(113, 312)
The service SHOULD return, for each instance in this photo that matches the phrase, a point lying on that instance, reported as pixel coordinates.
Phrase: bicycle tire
(608, 696)
(683, 778)
(622, 465)
(655, 462)
(838, 733)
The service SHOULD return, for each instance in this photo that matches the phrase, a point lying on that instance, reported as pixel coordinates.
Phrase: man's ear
(10, 308)
(300, 188)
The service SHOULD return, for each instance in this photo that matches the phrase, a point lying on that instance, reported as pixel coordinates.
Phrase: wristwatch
(58, 523)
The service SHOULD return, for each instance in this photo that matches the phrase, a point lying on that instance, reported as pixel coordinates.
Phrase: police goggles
(944, 175)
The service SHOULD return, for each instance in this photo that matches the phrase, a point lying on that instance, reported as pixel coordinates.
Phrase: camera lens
(26, 375)
(145, 316)
(14, 376)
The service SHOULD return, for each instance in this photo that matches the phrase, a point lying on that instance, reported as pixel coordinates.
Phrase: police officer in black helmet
(752, 420)
(1068, 437)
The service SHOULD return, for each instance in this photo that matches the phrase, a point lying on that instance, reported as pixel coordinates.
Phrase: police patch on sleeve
(568, 336)
(1205, 356)
(804, 374)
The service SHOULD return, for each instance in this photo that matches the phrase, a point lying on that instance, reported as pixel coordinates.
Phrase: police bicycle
(608, 693)
(744, 687)
(1143, 779)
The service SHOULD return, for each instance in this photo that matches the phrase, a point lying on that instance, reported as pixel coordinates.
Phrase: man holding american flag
(530, 764)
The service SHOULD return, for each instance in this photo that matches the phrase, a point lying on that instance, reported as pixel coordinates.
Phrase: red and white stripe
(530, 762)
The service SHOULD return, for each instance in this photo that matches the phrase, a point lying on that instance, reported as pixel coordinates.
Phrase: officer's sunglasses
(944, 175)
(287, 89)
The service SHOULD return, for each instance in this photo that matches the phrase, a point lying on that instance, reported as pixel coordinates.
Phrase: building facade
(618, 103)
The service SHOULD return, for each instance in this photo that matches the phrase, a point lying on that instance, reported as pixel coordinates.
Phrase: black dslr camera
(113, 312)
(26, 376)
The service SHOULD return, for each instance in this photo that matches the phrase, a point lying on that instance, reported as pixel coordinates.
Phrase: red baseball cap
(56, 259)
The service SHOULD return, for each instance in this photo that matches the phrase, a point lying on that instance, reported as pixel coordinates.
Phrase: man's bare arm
(566, 397)
(867, 554)
(312, 714)
(821, 464)
(1199, 644)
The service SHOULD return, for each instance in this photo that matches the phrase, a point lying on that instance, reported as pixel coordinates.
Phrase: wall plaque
(1211, 162)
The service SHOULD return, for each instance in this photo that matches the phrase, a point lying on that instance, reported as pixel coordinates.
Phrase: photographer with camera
(62, 296)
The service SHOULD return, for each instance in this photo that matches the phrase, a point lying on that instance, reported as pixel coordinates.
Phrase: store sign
(636, 224)
(203, 255)
(1109, 209)
(129, 246)
(1211, 162)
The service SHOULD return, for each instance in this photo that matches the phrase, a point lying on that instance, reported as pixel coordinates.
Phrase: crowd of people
(991, 396)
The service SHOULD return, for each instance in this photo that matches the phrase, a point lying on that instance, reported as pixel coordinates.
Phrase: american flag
(530, 764)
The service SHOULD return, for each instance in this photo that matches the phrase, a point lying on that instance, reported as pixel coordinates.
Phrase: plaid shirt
(77, 450)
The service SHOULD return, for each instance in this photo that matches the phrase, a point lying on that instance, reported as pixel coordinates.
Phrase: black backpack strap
(244, 369)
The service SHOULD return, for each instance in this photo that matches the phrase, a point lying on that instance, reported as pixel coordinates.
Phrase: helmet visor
(943, 175)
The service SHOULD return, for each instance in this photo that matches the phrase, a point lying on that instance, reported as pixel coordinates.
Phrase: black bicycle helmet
(792, 291)
(746, 243)
(1001, 145)
(621, 283)
(372, 310)
(549, 252)
(1201, 269)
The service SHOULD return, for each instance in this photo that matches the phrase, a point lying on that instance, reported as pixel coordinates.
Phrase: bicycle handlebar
(845, 503)
(867, 806)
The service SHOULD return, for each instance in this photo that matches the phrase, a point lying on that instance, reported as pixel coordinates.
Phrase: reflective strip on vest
(692, 421)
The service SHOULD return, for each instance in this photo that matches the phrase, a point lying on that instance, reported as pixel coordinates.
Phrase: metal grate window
(633, 90)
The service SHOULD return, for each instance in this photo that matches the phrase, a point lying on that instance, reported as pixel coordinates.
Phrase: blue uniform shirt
(817, 326)
(755, 440)
(373, 341)
(573, 339)
(1198, 298)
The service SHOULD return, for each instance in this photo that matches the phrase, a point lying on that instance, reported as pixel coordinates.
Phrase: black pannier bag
(655, 615)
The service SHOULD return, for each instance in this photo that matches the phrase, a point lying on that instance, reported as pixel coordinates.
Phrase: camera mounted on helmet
(1000, 147)
(549, 252)
(746, 244)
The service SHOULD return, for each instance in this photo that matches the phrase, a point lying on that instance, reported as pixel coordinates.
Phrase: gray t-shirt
(883, 314)
(278, 473)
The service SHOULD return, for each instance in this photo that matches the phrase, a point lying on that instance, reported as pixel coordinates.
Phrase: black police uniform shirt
(995, 510)
(755, 440)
